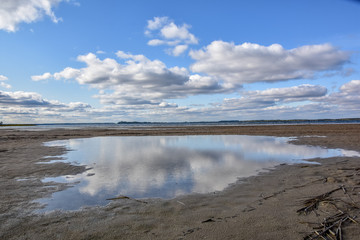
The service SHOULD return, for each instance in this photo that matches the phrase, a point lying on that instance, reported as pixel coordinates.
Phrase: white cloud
(156, 42)
(172, 31)
(135, 80)
(3, 78)
(2, 84)
(157, 23)
(348, 97)
(198, 81)
(41, 77)
(249, 62)
(351, 87)
(273, 97)
(166, 104)
(67, 73)
(134, 87)
(25, 99)
(168, 33)
(178, 50)
(34, 100)
(303, 101)
(5, 85)
(14, 12)
(297, 102)
(20, 107)
(305, 91)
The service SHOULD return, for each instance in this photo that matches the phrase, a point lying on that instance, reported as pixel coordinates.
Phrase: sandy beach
(268, 206)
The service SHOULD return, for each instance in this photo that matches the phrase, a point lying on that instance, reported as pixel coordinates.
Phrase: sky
(65, 61)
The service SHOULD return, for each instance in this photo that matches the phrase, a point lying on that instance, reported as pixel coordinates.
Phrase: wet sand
(259, 207)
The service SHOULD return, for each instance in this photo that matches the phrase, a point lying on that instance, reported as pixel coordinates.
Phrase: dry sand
(259, 207)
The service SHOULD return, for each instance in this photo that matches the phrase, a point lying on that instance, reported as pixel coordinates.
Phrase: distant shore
(251, 122)
(17, 125)
(260, 207)
(199, 123)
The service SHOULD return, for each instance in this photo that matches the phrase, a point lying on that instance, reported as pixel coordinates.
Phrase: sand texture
(269, 206)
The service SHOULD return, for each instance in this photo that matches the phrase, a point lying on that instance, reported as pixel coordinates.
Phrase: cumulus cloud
(135, 79)
(41, 77)
(178, 50)
(296, 102)
(3, 78)
(274, 97)
(174, 32)
(249, 62)
(351, 87)
(156, 42)
(303, 101)
(201, 82)
(166, 32)
(2, 84)
(67, 73)
(100, 52)
(25, 99)
(14, 12)
(135, 87)
(20, 106)
(34, 100)
(157, 23)
(305, 91)
(5, 85)
(348, 96)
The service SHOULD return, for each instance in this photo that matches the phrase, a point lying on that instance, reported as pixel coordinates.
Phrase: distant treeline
(16, 125)
(222, 122)
(246, 122)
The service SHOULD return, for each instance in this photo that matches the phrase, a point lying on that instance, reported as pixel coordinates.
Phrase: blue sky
(109, 61)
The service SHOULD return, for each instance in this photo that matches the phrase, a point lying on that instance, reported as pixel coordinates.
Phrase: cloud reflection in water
(166, 166)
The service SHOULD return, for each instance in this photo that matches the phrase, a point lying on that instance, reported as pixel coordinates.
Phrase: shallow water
(168, 166)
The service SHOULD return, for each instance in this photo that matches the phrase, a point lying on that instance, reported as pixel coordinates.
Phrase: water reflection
(167, 166)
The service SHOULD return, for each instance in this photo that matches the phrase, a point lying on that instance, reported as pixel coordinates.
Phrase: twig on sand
(181, 203)
(208, 220)
(331, 227)
(124, 197)
(313, 203)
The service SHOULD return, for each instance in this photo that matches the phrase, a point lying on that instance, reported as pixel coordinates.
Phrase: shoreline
(259, 207)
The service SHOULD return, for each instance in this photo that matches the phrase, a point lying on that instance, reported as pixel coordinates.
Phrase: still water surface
(168, 166)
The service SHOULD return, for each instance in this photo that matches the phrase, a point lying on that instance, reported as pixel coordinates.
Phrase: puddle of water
(168, 166)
